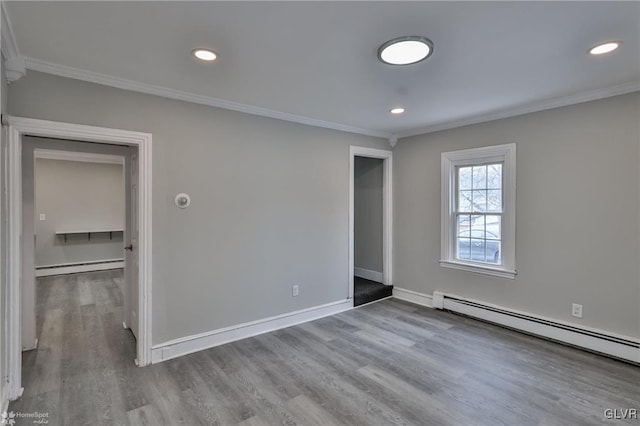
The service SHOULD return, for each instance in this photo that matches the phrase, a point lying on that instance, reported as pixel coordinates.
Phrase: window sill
(480, 269)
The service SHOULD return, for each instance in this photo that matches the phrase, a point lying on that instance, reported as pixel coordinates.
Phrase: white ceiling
(318, 59)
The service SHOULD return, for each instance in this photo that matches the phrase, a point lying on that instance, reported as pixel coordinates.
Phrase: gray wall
(577, 237)
(3, 88)
(78, 196)
(269, 202)
(368, 213)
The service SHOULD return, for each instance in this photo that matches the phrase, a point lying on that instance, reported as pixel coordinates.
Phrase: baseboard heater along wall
(74, 268)
(623, 347)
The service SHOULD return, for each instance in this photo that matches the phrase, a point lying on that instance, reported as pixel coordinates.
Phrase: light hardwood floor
(383, 364)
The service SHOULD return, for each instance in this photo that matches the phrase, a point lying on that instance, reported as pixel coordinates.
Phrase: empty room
(320, 213)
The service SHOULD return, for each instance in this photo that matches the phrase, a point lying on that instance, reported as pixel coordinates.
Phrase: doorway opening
(370, 218)
(28, 139)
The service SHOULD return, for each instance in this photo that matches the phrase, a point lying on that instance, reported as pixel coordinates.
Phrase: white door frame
(387, 210)
(17, 128)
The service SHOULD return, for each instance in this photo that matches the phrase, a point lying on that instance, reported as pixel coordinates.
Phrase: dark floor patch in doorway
(366, 291)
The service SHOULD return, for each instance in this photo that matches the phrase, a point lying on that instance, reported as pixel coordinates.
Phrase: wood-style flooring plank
(386, 363)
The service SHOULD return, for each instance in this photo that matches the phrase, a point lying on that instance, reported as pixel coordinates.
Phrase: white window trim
(450, 160)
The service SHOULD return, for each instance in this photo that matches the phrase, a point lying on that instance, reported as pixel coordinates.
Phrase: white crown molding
(590, 95)
(15, 68)
(85, 157)
(9, 46)
(135, 86)
(149, 89)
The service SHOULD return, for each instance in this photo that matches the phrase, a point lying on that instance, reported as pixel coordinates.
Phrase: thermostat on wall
(183, 200)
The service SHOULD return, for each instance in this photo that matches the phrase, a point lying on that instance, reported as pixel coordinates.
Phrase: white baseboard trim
(198, 342)
(74, 268)
(31, 347)
(368, 274)
(413, 297)
(593, 339)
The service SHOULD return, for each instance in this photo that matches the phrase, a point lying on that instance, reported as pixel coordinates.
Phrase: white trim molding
(413, 297)
(107, 80)
(135, 86)
(15, 69)
(17, 127)
(387, 211)
(505, 154)
(15, 64)
(9, 45)
(84, 157)
(165, 92)
(542, 105)
(368, 274)
(74, 268)
(198, 342)
(32, 346)
(604, 342)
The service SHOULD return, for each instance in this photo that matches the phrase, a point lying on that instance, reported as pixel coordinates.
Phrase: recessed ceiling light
(204, 54)
(603, 48)
(405, 50)
(396, 111)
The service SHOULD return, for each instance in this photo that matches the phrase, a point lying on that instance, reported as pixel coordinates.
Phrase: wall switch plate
(43, 216)
(576, 310)
(295, 290)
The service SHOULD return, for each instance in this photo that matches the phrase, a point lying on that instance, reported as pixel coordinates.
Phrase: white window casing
(505, 154)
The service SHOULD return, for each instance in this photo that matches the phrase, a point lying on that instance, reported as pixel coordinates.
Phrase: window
(478, 210)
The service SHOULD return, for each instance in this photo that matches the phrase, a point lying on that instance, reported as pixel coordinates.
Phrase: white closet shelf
(88, 232)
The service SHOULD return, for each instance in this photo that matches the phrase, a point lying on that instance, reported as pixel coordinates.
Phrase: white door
(131, 248)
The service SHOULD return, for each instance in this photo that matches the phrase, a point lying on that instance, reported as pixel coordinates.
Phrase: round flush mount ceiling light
(405, 50)
(602, 48)
(396, 111)
(204, 54)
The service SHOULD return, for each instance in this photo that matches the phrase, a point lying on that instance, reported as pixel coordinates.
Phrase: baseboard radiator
(74, 268)
(614, 345)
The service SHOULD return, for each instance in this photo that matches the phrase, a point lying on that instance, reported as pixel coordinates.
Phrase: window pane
(494, 227)
(464, 201)
(477, 226)
(477, 250)
(479, 201)
(479, 177)
(494, 176)
(464, 222)
(464, 178)
(494, 200)
(463, 248)
(493, 252)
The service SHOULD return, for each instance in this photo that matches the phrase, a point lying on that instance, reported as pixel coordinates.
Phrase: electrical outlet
(43, 216)
(576, 310)
(295, 290)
